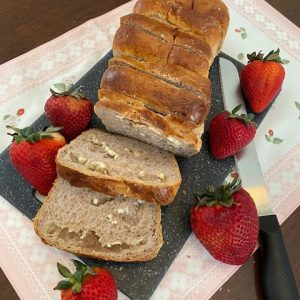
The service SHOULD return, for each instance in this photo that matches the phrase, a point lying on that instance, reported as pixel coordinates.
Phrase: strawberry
(86, 283)
(33, 155)
(226, 223)
(69, 109)
(262, 78)
(230, 132)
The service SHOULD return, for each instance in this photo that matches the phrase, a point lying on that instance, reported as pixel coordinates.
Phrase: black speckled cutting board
(139, 280)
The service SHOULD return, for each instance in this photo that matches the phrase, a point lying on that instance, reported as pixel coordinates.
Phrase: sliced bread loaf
(118, 165)
(88, 223)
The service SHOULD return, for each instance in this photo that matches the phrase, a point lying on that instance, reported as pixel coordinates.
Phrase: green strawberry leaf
(277, 141)
(285, 61)
(297, 105)
(268, 138)
(63, 285)
(60, 86)
(244, 35)
(52, 129)
(79, 265)
(236, 109)
(63, 271)
(240, 56)
(17, 130)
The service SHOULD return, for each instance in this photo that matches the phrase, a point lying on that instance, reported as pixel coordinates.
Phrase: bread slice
(134, 41)
(173, 74)
(114, 165)
(126, 116)
(92, 224)
(157, 94)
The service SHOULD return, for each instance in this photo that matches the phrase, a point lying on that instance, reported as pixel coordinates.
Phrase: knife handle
(278, 281)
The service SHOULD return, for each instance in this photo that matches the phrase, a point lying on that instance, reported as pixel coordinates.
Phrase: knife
(278, 282)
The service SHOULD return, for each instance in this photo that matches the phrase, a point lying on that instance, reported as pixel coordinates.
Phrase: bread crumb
(126, 149)
(73, 157)
(109, 216)
(114, 222)
(110, 152)
(141, 174)
(96, 201)
(173, 141)
(83, 235)
(120, 210)
(136, 154)
(82, 160)
(108, 245)
(99, 167)
(116, 243)
(95, 141)
(162, 177)
(139, 202)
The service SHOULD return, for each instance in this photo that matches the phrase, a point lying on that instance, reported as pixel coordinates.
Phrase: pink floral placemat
(24, 83)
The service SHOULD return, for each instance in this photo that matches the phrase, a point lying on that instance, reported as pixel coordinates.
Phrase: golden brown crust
(174, 74)
(166, 43)
(162, 194)
(205, 26)
(55, 243)
(156, 28)
(214, 8)
(135, 42)
(169, 34)
(209, 23)
(158, 95)
(135, 111)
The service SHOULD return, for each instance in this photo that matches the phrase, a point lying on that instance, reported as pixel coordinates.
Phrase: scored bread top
(205, 21)
(88, 223)
(161, 96)
(168, 34)
(133, 41)
(114, 165)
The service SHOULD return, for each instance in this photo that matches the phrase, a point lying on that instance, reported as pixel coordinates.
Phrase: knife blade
(278, 282)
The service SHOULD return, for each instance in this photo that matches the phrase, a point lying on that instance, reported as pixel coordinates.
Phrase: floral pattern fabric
(24, 88)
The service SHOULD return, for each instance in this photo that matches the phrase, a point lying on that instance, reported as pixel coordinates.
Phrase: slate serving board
(139, 280)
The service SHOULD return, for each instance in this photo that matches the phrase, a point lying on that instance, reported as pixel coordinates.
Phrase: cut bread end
(91, 224)
(118, 123)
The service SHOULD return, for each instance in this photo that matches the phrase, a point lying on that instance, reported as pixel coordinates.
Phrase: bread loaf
(156, 88)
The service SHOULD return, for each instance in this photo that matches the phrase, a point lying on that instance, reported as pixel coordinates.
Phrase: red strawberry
(262, 78)
(229, 132)
(86, 283)
(33, 155)
(69, 109)
(226, 223)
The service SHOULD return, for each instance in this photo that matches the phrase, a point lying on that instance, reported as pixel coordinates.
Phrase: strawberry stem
(246, 118)
(30, 135)
(74, 280)
(271, 56)
(221, 195)
(68, 90)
